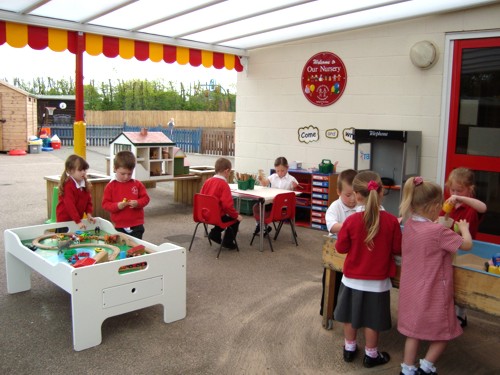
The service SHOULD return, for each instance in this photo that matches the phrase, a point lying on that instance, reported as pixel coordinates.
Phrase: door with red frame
(474, 128)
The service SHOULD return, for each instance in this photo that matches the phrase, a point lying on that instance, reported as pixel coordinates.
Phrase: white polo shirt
(284, 182)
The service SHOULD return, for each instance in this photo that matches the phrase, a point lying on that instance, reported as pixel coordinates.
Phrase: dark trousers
(137, 231)
(231, 231)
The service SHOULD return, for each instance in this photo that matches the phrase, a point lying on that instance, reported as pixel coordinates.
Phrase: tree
(137, 94)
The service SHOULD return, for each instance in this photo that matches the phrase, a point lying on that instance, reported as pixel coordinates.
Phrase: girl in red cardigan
(74, 192)
(370, 238)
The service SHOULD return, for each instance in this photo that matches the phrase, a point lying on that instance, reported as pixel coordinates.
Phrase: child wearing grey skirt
(371, 238)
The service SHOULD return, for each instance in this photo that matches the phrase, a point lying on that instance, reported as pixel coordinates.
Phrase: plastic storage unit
(318, 191)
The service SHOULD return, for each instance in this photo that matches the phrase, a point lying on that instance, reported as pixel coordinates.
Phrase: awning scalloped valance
(19, 35)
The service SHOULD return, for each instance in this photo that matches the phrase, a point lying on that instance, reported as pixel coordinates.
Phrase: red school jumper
(73, 203)
(219, 188)
(361, 262)
(114, 193)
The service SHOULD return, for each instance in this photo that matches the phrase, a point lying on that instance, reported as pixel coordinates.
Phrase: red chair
(206, 211)
(282, 211)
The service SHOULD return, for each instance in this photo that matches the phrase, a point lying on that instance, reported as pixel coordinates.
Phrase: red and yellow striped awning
(19, 35)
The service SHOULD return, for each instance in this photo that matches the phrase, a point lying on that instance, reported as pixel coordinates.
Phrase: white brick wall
(384, 91)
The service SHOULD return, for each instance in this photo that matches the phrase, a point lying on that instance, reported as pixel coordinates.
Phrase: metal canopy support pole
(79, 127)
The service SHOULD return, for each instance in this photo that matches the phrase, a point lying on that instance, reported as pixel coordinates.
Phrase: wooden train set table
(475, 288)
(105, 272)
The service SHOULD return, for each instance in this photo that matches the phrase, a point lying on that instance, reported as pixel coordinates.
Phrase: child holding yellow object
(462, 205)
(125, 197)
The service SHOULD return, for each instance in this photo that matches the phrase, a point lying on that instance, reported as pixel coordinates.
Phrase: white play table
(99, 291)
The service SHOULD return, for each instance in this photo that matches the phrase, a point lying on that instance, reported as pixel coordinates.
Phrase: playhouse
(18, 117)
(154, 152)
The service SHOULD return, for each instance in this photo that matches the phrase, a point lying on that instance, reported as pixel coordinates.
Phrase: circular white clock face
(62, 105)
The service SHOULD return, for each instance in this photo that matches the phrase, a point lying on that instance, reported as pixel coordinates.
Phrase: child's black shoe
(229, 245)
(215, 237)
(381, 359)
(463, 321)
(349, 354)
(422, 372)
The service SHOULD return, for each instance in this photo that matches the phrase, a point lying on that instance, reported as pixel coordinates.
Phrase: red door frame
(453, 160)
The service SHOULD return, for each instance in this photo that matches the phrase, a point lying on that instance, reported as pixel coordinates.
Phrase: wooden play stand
(474, 288)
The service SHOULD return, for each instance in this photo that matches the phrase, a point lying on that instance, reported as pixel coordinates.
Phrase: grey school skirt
(364, 309)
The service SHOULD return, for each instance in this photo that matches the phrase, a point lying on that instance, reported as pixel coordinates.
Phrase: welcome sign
(324, 78)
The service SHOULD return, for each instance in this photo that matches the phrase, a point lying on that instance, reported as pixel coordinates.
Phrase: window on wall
(474, 128)
(479, 107)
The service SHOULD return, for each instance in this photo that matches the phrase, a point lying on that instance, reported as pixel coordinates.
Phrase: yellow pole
(80, 138)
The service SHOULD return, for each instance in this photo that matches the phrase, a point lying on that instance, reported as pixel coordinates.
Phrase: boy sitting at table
(218, 187)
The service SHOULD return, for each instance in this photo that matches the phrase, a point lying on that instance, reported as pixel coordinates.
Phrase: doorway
(474, 124)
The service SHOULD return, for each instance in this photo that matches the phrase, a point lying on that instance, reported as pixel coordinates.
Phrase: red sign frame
(324, 79)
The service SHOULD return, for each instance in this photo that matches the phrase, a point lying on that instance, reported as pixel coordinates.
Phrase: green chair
(55, 199)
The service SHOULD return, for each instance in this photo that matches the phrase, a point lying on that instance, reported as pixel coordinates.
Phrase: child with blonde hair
(74, 199)
(426, 309)
(461, 187)
(370, 238)
(465, 206)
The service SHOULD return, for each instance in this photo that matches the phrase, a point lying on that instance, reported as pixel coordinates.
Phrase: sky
(26, 63)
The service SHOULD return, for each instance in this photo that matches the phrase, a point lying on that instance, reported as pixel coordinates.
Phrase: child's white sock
(460, 311)
(350, 345)
(427, 366)
(371, 352)
(408, 369)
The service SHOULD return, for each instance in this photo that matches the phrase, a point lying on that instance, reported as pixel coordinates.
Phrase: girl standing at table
(370, 238)
(426, 309)
(74, 192)
(281, 179)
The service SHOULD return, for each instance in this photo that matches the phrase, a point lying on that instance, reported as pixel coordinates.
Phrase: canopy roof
(207, 32)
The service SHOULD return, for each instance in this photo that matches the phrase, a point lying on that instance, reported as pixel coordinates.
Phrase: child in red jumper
(370, 238)
(218, 187)
(461, 186)
(74, 192)
(125, 197)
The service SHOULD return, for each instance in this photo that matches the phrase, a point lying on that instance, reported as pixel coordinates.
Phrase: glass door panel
(474, 129)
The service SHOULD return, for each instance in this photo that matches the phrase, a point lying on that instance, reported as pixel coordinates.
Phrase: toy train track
(65, 241)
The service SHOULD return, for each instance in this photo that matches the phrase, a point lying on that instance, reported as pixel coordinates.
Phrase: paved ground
(247, 313)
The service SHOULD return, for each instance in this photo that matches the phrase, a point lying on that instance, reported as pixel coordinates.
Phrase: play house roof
(149, 138)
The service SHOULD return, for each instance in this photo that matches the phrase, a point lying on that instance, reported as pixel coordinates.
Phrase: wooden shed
(18, 117)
